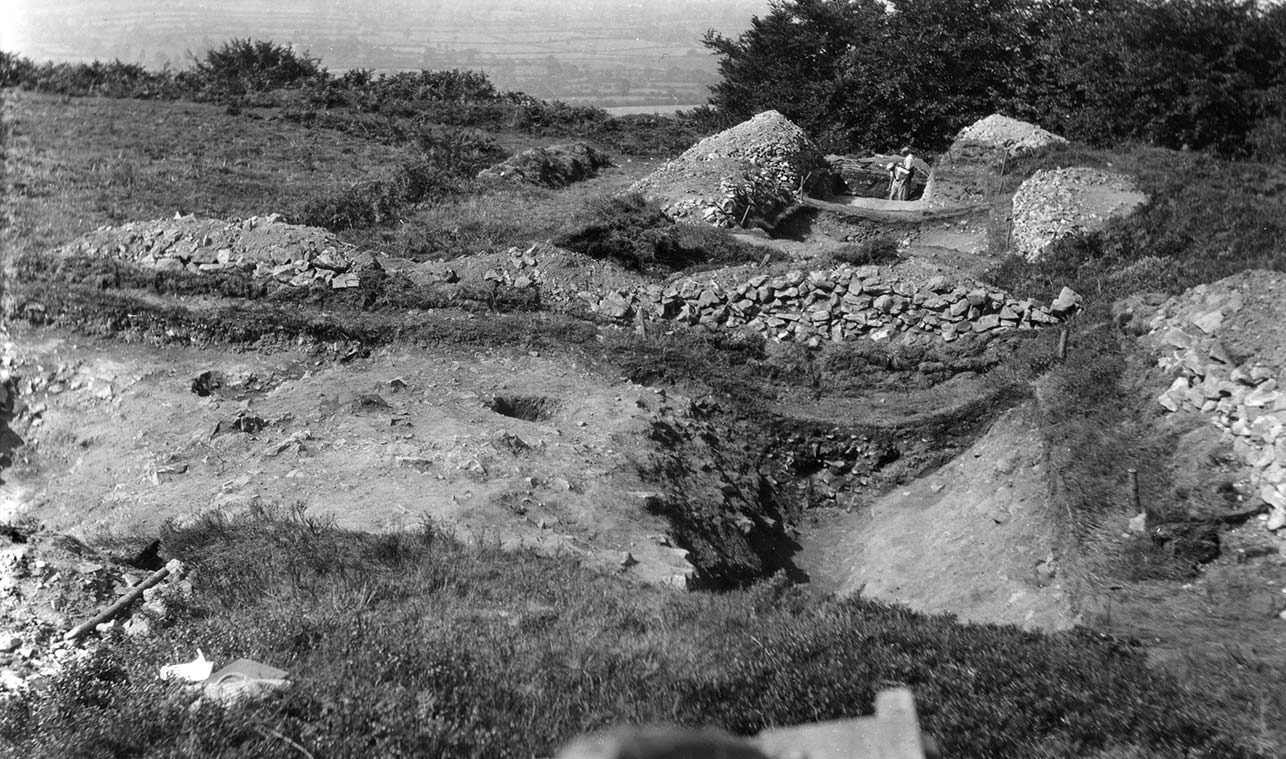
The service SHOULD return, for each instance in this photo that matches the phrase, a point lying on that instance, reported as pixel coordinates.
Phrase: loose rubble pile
(754, 170)
(264, 247)
(554, 166)
(1056, 203)
(49, 584)
(1013, 136)
(1219, 342)
(839, 304)
(965, 174)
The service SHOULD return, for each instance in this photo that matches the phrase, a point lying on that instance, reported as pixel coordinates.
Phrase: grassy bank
(412, 645)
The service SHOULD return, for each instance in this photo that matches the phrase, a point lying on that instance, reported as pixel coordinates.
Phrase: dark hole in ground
(207, 382)
(530, 408)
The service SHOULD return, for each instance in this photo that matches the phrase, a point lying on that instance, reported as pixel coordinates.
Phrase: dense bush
(243, 66)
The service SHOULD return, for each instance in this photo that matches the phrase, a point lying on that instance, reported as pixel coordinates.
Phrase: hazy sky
(66, 29)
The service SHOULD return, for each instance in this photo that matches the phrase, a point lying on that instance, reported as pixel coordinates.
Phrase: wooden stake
(1062, 344)
(111, 611)
(1133, 475)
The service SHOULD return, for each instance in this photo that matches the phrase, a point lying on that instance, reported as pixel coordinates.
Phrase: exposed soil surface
(971, 538)
(501, 446)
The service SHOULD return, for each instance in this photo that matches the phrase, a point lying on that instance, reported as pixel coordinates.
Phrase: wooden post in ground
(1062, 343)
(1133, 475)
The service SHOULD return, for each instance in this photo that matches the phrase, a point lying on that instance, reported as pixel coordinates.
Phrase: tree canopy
(859, 73)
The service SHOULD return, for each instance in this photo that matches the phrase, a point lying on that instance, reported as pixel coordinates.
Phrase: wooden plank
(898, 726)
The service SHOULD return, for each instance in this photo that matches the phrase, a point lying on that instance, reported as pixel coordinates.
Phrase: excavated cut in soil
(529, 408)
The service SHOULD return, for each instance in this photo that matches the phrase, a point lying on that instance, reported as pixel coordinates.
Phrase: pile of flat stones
(263, 247)
(843, 303)
(1053, 204)
(1243, 398)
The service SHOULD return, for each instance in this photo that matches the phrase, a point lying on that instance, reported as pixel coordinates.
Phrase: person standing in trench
(900, 175)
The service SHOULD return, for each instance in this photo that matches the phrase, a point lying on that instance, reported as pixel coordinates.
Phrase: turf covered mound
(749, 173)
(554, 166)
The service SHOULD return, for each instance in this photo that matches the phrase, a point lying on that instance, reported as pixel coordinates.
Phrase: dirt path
(970, 539)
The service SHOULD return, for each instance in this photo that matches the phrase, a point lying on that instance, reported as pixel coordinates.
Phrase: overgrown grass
(74, 165)
(390, 108)
(412, 644)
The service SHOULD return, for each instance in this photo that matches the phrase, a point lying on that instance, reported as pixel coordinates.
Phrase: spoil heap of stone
(264, 247)
(1054, 204)
(1014, 137)
(554, 166)
(1224, 345)
(843, 303)
(754, 170)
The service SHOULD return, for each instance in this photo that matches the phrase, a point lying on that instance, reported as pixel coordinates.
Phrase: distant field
(664, 110)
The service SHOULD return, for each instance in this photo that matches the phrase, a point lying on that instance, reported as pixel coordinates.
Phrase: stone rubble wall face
(264, 247)
(833, 305)
(837, 304)
(1243, 399)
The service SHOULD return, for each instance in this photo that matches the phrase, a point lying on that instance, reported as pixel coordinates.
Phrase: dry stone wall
(1206, 340)
(264, 247)
(838, 304)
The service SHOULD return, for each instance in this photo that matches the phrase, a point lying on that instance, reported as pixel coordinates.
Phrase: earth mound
(1011, 135)
(1056, 203)
(753, 171)
(554, 166)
